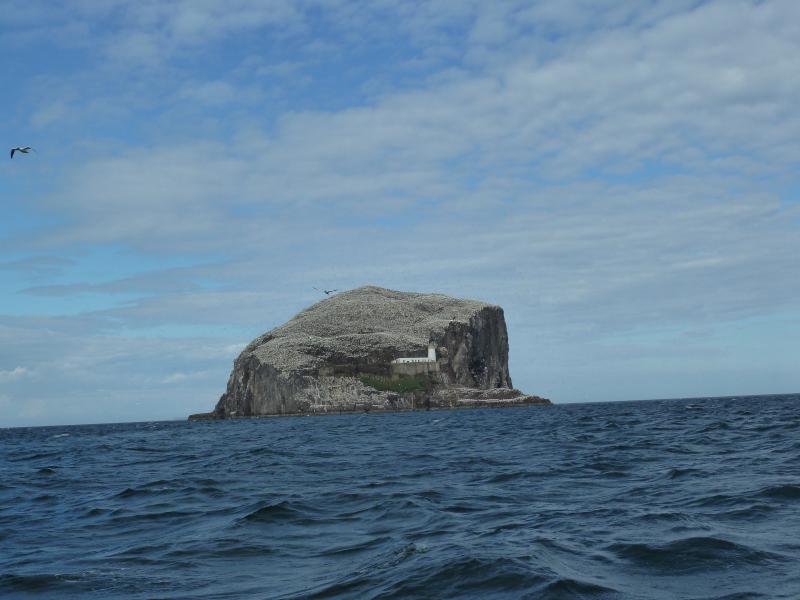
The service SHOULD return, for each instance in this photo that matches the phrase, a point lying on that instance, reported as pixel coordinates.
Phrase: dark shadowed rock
(338, 354)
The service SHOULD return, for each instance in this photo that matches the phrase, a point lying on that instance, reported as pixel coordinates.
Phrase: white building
(431, 358)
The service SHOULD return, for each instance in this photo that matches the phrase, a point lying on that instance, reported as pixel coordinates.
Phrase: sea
(668, 499)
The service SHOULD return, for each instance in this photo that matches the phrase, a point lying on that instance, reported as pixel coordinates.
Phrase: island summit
(374, 349)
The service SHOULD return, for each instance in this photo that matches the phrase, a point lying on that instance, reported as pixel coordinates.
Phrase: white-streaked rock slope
(315, 363)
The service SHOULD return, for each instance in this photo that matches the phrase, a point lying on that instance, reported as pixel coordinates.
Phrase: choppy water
(665, 499)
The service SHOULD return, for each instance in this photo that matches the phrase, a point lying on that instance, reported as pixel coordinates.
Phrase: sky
(622, 177)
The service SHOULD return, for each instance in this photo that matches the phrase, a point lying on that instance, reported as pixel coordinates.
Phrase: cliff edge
(375, 349)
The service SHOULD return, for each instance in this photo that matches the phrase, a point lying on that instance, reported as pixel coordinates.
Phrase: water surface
(693, 499)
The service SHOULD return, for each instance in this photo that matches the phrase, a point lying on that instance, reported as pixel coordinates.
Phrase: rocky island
(375, 349)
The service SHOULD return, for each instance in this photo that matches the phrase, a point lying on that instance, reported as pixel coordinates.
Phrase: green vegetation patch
(403, 385)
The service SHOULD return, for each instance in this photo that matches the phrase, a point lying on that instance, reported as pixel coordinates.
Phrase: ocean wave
(434, 578)
(692, 554)
(269, 513)
(12, 583)
(353, 548)
(676, 472)
(568, 588)
(149, 489)
(787, 491)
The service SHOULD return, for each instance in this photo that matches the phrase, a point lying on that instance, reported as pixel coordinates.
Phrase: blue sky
(622, 177)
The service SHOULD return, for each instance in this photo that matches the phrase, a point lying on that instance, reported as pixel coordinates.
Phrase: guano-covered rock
(375, 349)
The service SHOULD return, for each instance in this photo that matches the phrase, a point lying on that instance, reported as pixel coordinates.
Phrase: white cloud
(234, 349)
(148, 30)
(101, 378)
(210, 92)
(13, 374)
(209, 376)
(36, 266)
(615, 102)
(175, 378)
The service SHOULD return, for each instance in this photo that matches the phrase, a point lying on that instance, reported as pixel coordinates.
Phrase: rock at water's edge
(337, 356)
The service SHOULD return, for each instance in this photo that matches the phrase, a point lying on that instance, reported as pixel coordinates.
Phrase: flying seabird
(326, 292)
(23, 149)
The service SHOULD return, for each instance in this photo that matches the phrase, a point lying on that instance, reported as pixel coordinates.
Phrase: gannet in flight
(23, 149)
(326, 292)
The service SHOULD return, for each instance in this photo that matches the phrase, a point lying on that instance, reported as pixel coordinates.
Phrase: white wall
(419, 359)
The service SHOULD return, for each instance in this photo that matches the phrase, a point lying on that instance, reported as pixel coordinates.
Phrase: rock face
(338, 354)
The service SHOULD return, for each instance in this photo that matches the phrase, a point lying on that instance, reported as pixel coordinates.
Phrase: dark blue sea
(673, 499)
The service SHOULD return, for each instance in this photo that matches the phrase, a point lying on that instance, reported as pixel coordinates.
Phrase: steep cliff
(338, 354)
